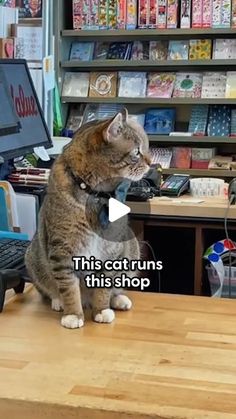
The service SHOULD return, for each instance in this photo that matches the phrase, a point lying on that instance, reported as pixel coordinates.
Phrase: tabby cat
(99, 154)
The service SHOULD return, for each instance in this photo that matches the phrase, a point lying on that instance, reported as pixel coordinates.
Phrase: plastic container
(215, 282)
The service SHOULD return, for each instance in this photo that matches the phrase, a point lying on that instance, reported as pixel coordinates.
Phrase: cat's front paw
(105, 316)
(57, 304)
(72, 321)
(121, 302)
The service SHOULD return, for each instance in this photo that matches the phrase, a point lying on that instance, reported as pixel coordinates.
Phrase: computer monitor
(33, 129)
(9, 122)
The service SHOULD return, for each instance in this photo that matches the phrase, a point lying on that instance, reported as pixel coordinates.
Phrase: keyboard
(12, 253)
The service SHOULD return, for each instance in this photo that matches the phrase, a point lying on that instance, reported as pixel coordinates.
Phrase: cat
(100, 154)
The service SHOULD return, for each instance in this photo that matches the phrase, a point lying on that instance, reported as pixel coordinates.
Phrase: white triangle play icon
(117, 210)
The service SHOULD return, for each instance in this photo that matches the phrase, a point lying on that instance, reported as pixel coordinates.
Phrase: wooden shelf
(202, 172)
(147, 64)
(150, 33)
(149, 101)
(198, 140)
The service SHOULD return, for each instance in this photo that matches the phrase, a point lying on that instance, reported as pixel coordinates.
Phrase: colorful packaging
(178, 50)
(225, 13)
(102, 14)
(198, 120)
(121, 14)
(216, 13)
(131, 22)
(181, 158)
(85, 15)
(160, 85)
(158, 50)
(188, 85)
(93, 14)
(172, 14)
(77, 14)
(206, 13)
(162, 14)
(200, 49)
(213, 85)
(233, 14)
(185, 17)
(197, 9)
(112, 14)
(8, 3)
(103, 84)
(143, 13)
(153, 13)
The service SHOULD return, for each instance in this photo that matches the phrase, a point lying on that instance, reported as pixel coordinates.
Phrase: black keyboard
(12, 253)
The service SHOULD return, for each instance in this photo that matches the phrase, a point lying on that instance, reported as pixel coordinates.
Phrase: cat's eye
(136, 152)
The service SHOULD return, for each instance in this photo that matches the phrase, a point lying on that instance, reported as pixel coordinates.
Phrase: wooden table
(171, 357)
(173, 212)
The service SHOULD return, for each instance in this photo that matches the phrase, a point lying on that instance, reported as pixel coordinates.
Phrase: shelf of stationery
(142, 34)
(149, 101)
(197, 140)
(201, 172)
(147, 64)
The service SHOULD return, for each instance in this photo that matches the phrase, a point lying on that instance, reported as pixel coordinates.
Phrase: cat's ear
(125, 114)
(114, 130)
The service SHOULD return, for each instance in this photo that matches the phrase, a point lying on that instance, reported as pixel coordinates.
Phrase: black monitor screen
(9, 122)
(33, 131)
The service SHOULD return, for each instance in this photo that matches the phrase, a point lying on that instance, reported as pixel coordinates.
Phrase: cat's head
(115, 148)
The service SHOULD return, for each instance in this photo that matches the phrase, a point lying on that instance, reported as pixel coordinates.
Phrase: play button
(117, 210)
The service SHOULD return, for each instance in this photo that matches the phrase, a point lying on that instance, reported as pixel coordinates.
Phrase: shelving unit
(65, 36)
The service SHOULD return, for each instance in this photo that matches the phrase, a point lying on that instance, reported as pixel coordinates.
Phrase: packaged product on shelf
(158, 50)
(216, 13)
(219, 121)
(161, 156)
(85, 15)
(153, 13)
(101, 50)
(160, 121)
(102, 14)
(93, 14)
(198, 120)
(131, 16)
(75, 118)
(119, 51)
(77, 14)
(230, 91)
(100, 111)
(140, 50)
(213, 85)
(76, 84)
(185, 14)
(188, 85)
(103, 84)
(233, 14)
(143, 13)
(132, 84)
(224, 49)
(225, 13)
(121, 14)
(160, 85)
(138, 118)
(233, 123)
(82, 51)
(112, 14)
(178, 50)
(200, 49)
(172, 14)
(27, 8)
(197, 10)
(162, 14)
(201, 157)
(181, 158)
(206, 13)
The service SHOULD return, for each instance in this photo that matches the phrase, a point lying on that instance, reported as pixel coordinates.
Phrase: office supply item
(219, 121)
(153, 13)
(12, 253)
(132, 84)
(131, 16)
(20, 83)
(140, 50)
(224, 49)
(213, 85)
(112, 14)
(160, 85)
(121, 14)
(175, 185)
(82, 51)
(77, 14)
(185, 14)
(198, 120)
(143, 14)
(103, 84)
(162, 14)
(197, 9)
(200, 49)
(76, 84)
(178, 50)
(188, 85)
(172, 13)
(158, 50)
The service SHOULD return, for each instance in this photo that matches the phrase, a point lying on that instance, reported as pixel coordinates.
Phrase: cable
(227, 237)
(155, 260)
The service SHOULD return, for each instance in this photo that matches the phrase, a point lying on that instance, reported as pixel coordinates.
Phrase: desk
(209, 214)
(171, 357)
